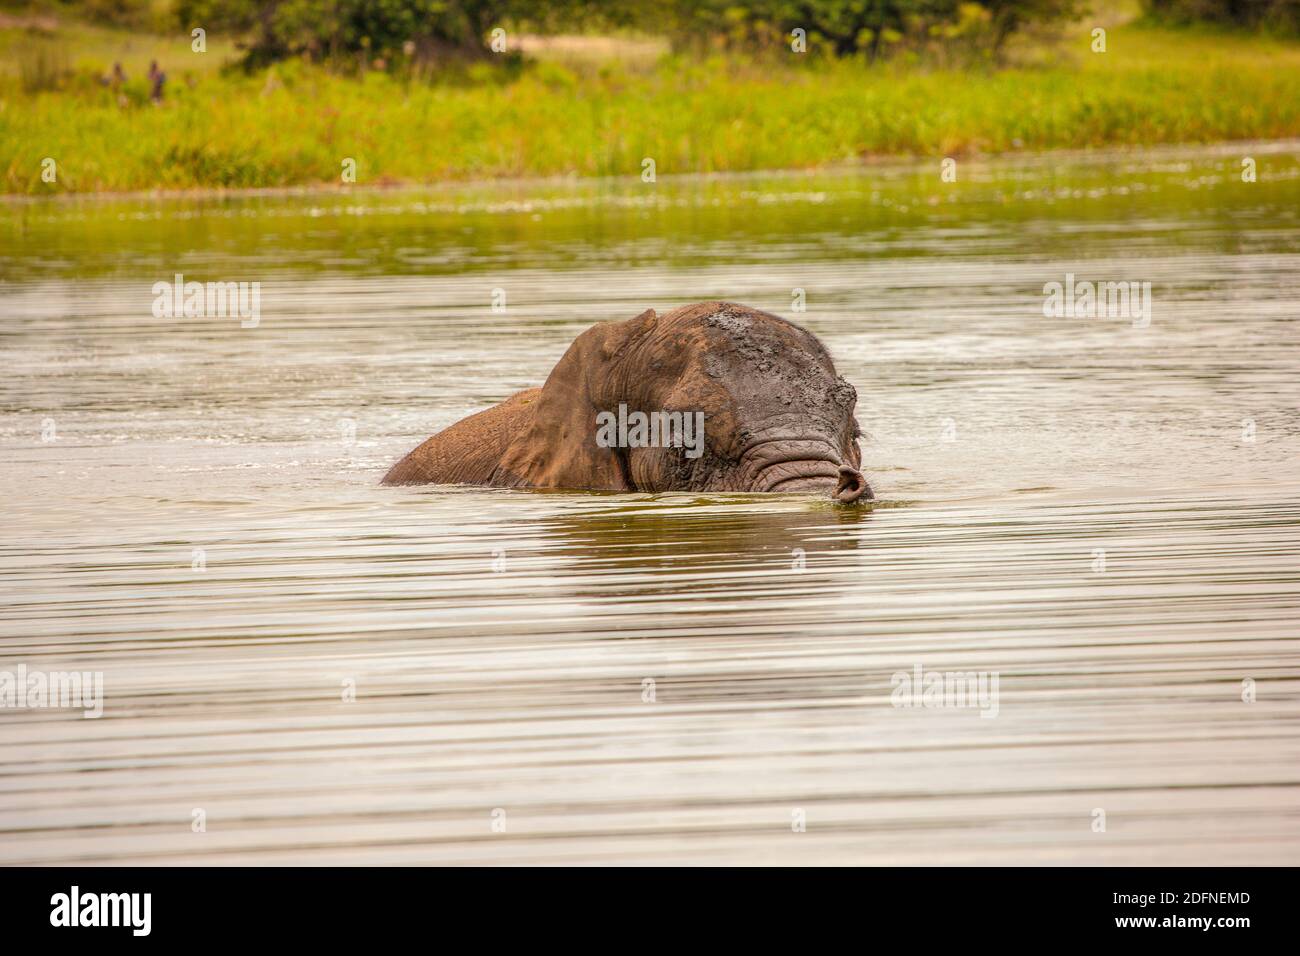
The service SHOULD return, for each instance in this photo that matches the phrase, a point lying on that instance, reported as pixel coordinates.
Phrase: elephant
(773, 415)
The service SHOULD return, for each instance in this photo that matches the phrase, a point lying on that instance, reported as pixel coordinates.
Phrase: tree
(333, 29)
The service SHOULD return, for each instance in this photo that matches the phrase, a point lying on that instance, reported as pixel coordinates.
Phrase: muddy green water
(1103, 513)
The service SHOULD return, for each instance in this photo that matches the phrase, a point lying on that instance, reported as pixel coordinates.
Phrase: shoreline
(899, 161)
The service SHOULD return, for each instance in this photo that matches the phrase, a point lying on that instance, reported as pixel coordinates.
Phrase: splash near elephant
(709, 397)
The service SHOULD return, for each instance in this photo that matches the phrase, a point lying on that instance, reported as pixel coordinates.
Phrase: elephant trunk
(851, 486)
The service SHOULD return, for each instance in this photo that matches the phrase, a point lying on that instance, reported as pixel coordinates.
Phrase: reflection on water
(1104, 516)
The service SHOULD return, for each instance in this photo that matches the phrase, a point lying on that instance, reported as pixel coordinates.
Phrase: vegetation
(396, 31)
(367, 31)
(1274, 16)
(870, 28)
(301, 119)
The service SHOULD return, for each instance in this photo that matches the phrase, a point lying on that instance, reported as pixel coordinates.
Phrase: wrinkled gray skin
(777, 417)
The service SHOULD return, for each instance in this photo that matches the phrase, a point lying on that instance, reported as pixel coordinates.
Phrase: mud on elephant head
(776, 417)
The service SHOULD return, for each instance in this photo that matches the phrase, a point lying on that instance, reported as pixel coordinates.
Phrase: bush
(871, 28)
(420, 30)
(1277, 16)
(119, 13)
(336, 30)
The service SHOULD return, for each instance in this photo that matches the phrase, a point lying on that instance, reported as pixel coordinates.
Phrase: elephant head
(776, 417)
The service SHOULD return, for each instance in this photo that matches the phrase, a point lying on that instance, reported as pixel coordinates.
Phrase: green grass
(297, 124)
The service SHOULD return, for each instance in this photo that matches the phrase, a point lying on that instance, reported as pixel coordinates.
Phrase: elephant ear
(558, 449)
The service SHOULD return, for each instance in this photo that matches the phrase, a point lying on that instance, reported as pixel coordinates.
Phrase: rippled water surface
(1102, 513)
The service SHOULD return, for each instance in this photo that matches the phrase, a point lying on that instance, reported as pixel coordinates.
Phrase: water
(1100, 513)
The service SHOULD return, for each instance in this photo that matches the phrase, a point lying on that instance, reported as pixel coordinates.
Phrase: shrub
(1277, 16)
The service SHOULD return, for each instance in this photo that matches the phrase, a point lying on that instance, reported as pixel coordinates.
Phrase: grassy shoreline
(295, 125)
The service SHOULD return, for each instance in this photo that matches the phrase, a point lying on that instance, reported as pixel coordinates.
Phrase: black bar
(938, 909)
